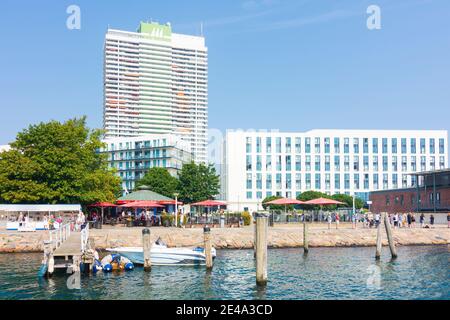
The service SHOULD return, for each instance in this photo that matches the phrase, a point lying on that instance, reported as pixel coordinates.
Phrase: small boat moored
(161, 255)
(114, 262)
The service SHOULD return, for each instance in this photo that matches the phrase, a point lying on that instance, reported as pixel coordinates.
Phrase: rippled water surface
(326, 273)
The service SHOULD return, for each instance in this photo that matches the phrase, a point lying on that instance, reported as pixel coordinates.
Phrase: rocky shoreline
(234, 238)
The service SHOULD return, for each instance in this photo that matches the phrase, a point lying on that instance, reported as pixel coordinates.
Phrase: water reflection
(325, 273)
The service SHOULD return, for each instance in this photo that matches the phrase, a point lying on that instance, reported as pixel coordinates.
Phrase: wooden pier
(65, 249)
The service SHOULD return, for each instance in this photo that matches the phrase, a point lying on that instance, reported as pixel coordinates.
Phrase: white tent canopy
(40, 207)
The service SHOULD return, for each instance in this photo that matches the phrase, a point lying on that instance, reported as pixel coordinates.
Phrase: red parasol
(285, 201)
(323, 202)
(209, 203)
(142, 204)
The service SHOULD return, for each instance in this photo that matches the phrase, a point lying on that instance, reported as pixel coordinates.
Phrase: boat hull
(164, 256)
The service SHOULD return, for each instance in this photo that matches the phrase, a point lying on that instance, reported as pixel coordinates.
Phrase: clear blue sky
(273, 64)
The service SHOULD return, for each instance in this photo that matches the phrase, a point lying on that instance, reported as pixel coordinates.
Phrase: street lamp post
(176, 209)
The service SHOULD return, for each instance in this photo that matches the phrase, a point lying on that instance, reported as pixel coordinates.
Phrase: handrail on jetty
(65, 249)
(57, 237)
(84, 237)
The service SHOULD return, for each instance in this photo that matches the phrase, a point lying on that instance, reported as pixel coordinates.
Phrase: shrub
(247, 218)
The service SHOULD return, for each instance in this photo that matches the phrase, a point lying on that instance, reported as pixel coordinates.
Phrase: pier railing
(84, 237)
(58, 236)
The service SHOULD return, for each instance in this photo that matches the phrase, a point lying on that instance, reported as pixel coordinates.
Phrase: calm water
(326, 273)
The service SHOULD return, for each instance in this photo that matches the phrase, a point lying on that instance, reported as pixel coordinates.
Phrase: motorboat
(161, 255)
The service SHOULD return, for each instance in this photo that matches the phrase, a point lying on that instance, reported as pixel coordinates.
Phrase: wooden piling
(379, 243)
(261, 249)
(208, 246)
(147, 248)
(305, 237)
(254, 239)
(387, 225)
(76, 263)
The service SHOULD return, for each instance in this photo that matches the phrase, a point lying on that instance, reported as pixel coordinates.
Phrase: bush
(167, 217)
(247, 218)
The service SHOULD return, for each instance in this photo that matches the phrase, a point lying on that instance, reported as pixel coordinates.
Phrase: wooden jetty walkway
(65, 249)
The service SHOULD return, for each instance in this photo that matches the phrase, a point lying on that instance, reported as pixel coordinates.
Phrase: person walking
(413, 220)
(422, 220)
(448, 220)
(395, 220)
(431, 221)
(400, 220)
(377, 220)
(409, 220)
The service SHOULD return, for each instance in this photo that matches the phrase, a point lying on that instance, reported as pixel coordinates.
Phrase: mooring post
(76, 263)
(387, 225)
(261, 249)
(379, 243)
(254, 238)
(208, 245)
(147, 247)
(305, 237)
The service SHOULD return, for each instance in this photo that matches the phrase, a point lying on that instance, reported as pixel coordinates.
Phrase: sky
(292, 65)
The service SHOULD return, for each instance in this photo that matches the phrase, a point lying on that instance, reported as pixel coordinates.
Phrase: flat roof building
(261, 164)
(132, 157)
(429, 192)
(156, 82)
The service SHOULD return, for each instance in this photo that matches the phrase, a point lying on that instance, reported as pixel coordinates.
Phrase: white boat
(160, 255)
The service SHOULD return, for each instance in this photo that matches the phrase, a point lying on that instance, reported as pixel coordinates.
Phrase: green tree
(197, 182)
(348, 200)
(310, 195)
(57, 163)
(159, 180)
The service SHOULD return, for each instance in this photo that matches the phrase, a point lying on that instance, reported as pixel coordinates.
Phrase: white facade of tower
(155, 82)
(262, 164)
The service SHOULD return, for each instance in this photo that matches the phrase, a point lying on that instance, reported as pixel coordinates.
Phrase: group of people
(51, 222)
(400, 220)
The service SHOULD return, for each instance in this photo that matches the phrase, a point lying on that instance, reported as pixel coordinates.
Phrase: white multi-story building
(261, 164)
(132, 157)
(155, 82)
(5, 148)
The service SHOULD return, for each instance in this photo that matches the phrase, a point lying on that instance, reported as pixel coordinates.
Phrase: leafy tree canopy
(159, 180)
(197, 182)
(57, 163)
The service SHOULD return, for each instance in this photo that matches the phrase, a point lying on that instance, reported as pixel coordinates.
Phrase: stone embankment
(286, 236)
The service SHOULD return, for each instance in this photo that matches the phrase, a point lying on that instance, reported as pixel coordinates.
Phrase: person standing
(422, 220)
(431, 221)
(329, 220)
(354, 220)
(404, 219)
(409, 218)
(400, 220)
(448, 220)
(337, 220)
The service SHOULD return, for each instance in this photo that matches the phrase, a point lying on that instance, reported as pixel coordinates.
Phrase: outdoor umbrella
(323, 202)
(141, 204)
(209, 204)
(285, 202)
(103, 205)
